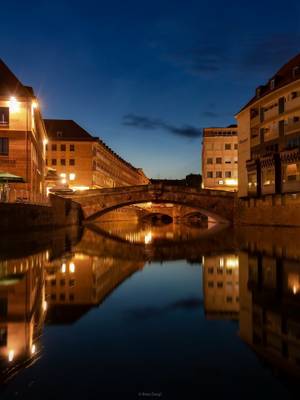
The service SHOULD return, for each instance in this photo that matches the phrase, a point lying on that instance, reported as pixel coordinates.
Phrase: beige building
(220, 158)
(221, 286)
(82, 161)
(22, 136)
(269, 136)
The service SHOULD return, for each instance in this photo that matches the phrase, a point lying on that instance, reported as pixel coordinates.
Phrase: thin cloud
(143, 122)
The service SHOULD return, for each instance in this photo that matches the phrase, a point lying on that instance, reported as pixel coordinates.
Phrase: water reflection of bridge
(253, 277)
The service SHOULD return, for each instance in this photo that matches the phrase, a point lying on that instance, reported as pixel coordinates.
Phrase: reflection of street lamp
(148, 238)
(11, 355)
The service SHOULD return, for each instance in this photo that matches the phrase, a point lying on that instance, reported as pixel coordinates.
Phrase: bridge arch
(218, 205)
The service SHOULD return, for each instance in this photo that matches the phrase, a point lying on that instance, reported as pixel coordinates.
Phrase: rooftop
(288, 73)
(67, 129)
(10, 84)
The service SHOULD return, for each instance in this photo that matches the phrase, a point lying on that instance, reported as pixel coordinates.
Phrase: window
(219, 174)
(72, 282)
(219, 284)
(71, 297)
(219, 160)
(53, 147)
(4, 116)
(53, 161)
(209, 161)
(235, 146)
(72, 161)
(62, 147)
(53, 282)
(210, 284)
(72, 147)
(53, 296)
(3, 146)
(62, 161)
(62, 297)
(62, 282)
(235, 160)
(209, 174)
(227, 160)
(219, 271)
(227, 146)
(229, 299)
(227, 174)
(210, 270)
(59, 134)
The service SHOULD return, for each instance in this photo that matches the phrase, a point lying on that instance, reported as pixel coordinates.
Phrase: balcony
(254, 121)
(271, 113)
(292, 104)
(271, 134)
(292, 127)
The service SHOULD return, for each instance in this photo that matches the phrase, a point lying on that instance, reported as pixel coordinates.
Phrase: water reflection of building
(77, 282)
(270, 309)
(22, 309)
(221, 286)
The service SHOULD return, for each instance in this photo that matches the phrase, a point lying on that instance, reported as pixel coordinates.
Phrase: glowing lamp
(35, 104)
(148, 238)
(14, 105)
(72, 176)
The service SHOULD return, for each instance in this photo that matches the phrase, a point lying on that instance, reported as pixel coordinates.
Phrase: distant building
(220, 158)
(22, 135)
(269, 136)
(82, 161)
(191, 180)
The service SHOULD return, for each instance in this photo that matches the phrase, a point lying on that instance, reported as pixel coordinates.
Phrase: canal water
(129, 311)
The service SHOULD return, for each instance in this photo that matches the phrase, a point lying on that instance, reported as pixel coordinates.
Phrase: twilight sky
(146, 76)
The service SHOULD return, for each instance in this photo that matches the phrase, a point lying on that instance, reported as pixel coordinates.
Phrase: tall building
(22, 134)
(220, 158)
(82, 161)
(269, 136)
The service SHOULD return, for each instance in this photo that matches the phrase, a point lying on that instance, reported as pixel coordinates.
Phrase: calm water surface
(172, 312)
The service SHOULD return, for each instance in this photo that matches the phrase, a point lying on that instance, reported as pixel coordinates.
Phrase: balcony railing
(272, 113)
(291, 127)
(292, 104)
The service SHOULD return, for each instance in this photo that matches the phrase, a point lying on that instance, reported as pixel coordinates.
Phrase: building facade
(82, 161)
(221, 286)
(269, 136)
(220, 158)
(22, 135)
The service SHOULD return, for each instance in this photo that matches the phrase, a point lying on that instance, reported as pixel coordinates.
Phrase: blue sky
(147, 76)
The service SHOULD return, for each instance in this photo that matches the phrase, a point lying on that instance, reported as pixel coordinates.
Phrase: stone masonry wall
(272, 210)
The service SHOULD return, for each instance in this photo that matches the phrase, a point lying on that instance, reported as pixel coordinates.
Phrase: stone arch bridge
(216, 204)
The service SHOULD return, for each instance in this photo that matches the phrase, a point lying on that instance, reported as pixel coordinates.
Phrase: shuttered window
(4, 146)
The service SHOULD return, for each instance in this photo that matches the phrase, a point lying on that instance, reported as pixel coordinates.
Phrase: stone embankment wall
(271, 210)
(24, 217)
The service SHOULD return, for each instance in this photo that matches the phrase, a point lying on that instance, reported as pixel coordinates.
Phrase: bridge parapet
(216, 204)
